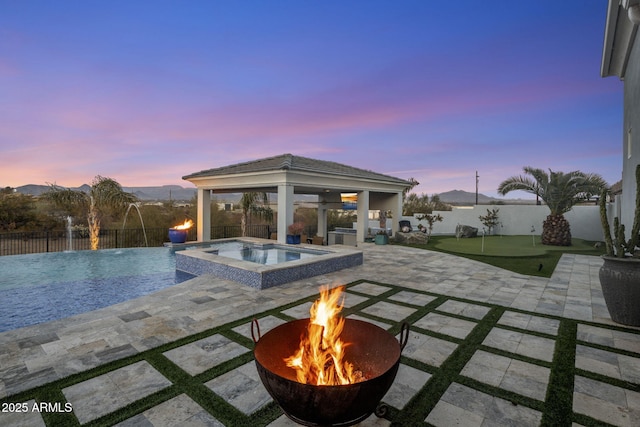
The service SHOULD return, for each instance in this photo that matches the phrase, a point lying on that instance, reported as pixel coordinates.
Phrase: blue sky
(146, 92)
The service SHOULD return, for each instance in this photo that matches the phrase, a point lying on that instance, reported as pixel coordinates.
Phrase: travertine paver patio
(486, 347)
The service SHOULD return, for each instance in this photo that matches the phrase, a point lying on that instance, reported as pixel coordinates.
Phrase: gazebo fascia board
(305, 182)
(287, 175)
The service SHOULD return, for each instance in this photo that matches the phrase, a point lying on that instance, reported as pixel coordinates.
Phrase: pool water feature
(38, 288)
(261, 264)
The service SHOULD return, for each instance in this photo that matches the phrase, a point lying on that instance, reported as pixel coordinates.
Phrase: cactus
(618, 246)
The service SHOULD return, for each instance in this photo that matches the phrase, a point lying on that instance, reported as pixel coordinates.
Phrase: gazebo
(287, 175)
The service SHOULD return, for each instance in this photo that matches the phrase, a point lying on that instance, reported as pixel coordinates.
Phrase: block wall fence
(517, 220)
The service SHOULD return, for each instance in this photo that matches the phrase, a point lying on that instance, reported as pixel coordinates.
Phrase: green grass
(513, 253)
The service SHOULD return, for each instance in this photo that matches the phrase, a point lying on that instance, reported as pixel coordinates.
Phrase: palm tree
(253, 203)
(560, 191)
(105, 194)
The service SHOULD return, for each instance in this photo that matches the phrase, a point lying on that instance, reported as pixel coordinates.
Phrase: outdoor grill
(371, 349)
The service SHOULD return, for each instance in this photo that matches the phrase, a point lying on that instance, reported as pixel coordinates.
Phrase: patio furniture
(404, 223)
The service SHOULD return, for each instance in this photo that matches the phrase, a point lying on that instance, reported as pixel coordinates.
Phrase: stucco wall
(518, 220)
(631, 123)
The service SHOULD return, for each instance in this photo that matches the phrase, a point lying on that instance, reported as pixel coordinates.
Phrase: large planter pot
(620, 281)
(382, 239)
(293, 239)
(177, 236)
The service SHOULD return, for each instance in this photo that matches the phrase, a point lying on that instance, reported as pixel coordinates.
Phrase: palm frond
(560, 191)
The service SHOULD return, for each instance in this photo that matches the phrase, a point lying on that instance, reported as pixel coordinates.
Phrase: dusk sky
(146, 92)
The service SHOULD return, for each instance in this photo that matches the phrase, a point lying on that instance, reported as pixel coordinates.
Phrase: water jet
(146, 243)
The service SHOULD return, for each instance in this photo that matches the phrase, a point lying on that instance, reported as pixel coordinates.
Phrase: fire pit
(178, 234)
(372, 351)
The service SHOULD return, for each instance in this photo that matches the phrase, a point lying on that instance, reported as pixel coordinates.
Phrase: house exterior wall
(631, 150)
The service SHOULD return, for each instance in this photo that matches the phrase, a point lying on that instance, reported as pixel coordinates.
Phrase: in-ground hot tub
(261, 263)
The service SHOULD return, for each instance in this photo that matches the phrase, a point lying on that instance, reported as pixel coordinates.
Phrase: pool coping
(200, 261)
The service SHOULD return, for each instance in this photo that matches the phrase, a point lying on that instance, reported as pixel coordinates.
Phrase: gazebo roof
(290, 162)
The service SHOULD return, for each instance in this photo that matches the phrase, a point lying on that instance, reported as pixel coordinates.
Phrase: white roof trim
(619, 35)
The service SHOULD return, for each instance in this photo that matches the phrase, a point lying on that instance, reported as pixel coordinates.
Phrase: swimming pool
(261, 264)
(42, 287)
(265, 254)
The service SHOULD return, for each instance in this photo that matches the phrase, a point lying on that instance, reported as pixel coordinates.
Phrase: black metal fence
(29, 242)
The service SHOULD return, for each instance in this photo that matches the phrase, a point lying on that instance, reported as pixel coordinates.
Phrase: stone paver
(369, 288)
(265, 324)
(427, 349)
(104, 394)
(412, 298)
(530, 322)
(44, 353)
(388, 310)
(461, 405)
(606, 402)
(407, 383)
(241, 388)
(510, 374)
(24, 415)
(204, 354)
(446, 325)
(464, 309)
(520, 343)
(607, 363)
(611, 338)
(179, 411)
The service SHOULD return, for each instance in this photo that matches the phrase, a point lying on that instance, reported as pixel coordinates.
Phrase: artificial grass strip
(559, 401)
(556, 409)
(56, 418)
(426, 399)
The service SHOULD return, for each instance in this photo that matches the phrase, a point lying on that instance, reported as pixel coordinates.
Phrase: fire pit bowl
(372, 350)
(177, 236)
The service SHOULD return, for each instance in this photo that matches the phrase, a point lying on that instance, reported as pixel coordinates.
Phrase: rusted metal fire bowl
(372, 350)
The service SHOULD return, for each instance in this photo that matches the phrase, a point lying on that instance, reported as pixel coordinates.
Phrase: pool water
(39, 288)
(266, 254)
(262, 264)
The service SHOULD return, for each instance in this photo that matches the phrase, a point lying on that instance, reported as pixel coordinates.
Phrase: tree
(560, 192)
(105, 195)
(254, 203)
(412, 183)
(490, 220)
(431, 219)
(421, 204)
(16, 210)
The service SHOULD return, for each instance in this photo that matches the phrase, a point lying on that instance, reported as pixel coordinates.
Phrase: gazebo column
(285, 210)
(396, 213)
(204, 215)
(322, 217)
(363, 216)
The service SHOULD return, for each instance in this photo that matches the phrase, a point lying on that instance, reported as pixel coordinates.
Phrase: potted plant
(620, 273)
(382, 238)
(293, 233)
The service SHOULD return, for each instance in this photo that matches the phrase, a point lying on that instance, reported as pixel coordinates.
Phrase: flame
(185, 226)
(319, 360)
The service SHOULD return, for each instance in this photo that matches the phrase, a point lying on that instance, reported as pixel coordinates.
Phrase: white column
(204, 215)
(322, 216)
(396, 213)
(363, 216)
(285, 210)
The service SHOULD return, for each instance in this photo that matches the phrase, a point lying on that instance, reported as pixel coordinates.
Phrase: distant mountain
(164, 192)
(466, 198)
(460, 197)
(178, 193)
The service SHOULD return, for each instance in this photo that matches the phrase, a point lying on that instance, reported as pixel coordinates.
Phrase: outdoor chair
(404, 223)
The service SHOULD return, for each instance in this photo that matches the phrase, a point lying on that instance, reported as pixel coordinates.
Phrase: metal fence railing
(29, 242)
